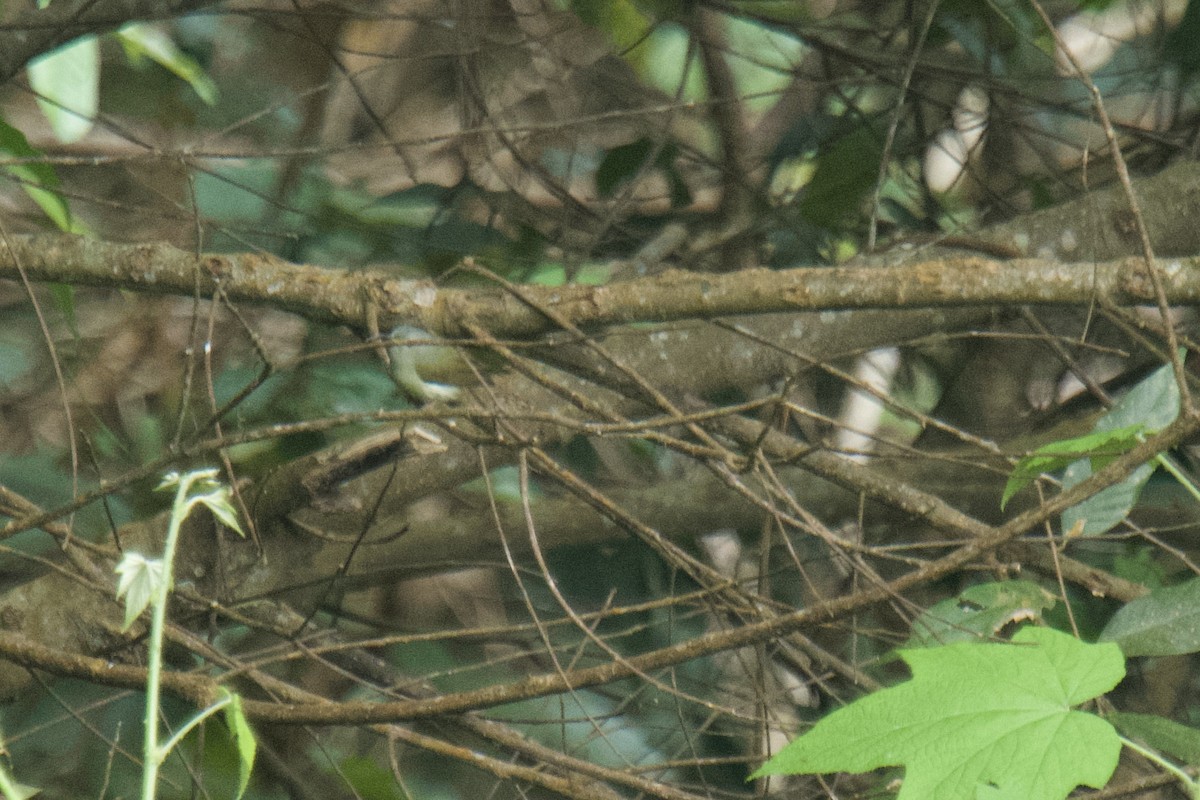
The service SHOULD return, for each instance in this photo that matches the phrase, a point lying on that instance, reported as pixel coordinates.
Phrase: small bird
(415, 355)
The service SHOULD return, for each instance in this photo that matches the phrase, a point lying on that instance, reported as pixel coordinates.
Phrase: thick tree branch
(345, 297)
(1077, 250)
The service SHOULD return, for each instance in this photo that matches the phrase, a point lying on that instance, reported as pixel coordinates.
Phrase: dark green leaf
(980, 611)
(1181, 41)
(64, 301)
(845, 172)
(369, 780)
(1152, 403)
(1164, 735)
(1107, 508)
(1163, 623)
(630, 161)
(1140, 566)
(622, 164)
(38, 179)
(1099, 446)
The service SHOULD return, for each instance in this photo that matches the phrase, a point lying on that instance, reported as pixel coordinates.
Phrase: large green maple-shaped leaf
(977, 720)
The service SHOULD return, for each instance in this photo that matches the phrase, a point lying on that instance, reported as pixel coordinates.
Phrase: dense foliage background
(608, 387)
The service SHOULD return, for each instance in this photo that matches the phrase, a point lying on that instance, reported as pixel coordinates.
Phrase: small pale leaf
(137, 579)
(169, 481)
(220, 503)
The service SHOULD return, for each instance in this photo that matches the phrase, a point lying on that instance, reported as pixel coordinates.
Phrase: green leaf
(138, 577)
(629, 161)
(39, 180)
(243, 737)
(67, 82)
(1148, 407)
(980, 611)
(64, 300)
(1162, 734)
(976, 716)
(10, 787)
(1180, 46)
(1152, 403)
(143, 40)
(1100, 447)
(1104, 510)
(15, 790)
(1140, 565)
(203, 488)
(624, 25)
(623, 163)
(1165, 622)
(369, 780)
(169, 481)
(845, 171)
